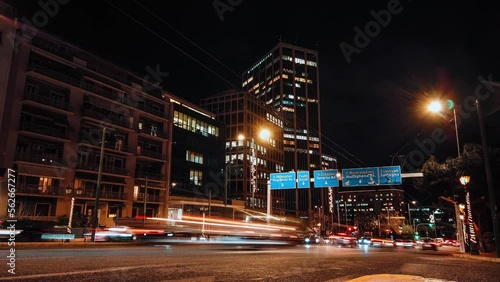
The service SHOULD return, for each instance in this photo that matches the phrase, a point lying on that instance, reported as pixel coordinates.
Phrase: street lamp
(464, 180)
(436, 107)
(69, 191)
(409, 214)
(264, 134)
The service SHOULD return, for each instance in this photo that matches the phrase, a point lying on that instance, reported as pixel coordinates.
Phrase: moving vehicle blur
(429, 244)
(112, 234)
(405, 243)
(342, 240)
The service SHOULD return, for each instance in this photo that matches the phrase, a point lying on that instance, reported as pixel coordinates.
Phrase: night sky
(371, 107)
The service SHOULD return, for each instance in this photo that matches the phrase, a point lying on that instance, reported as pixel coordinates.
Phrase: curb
(393, 277)
(478, 257)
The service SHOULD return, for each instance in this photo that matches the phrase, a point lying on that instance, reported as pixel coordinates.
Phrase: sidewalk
(492, 257)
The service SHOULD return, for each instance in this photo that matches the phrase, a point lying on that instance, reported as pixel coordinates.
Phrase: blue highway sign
(326, 178)
(303, 180)
(284, 180)
(390, 175)
(352, 177)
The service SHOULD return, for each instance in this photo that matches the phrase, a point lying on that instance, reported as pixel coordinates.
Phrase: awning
(41, 171)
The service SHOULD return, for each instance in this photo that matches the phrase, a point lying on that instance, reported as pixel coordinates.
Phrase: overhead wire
(170, 43)
(217, 74)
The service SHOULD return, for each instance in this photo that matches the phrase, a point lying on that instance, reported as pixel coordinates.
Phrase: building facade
(387, 204)
(287, 78)
(197, 152)
(250, 159)
(60, 101)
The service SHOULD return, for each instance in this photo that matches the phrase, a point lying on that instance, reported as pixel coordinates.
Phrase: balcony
(45, 159)
(149, 175)
(43, 130)
(104, 195)
(152, 110)
(123, 147)
(149, 198)
(34, 189)
(105, 168)
(48, 101)
(55, 74)
(155, 133)
(151, 154)
(100, 91)
(92, 113)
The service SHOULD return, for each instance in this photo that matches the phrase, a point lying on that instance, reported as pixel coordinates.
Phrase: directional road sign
(352, 177)
(303, 180)
(372, 176)
(283, 180)
(390, 175)
(326, 178)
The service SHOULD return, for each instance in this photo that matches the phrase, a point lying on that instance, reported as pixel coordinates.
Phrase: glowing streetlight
(436, 107)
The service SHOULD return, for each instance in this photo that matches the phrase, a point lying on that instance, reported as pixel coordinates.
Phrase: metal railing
(104, 195)
(108, 144)
(93, 113)
(151, 154)
(35, 189)
(48, 101)
(150, 198)
(55, 74)
(105, 168)
(45, 159)
(149, 175)
(42, 129)
(152, 110)
(155, 133)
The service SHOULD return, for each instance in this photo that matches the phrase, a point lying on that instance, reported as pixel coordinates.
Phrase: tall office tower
(254, 147)
(287, 78)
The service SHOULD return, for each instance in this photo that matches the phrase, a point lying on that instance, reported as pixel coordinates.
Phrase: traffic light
(431, 225)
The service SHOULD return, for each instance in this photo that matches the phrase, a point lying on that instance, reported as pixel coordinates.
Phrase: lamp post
(436, 107)
(464, 180)
(409, 213)
(203, 209)
(69, 191)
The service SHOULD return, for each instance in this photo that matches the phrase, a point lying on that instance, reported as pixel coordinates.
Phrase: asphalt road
(239, 263)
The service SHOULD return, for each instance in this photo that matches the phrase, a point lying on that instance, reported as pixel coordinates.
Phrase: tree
(365, 222)
(407, 232)
(441, 179)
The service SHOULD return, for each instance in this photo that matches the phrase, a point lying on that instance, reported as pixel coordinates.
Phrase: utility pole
(489, 179)
(98, 188)
(145, 202)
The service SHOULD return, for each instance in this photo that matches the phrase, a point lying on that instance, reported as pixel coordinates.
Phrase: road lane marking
(46, 275)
